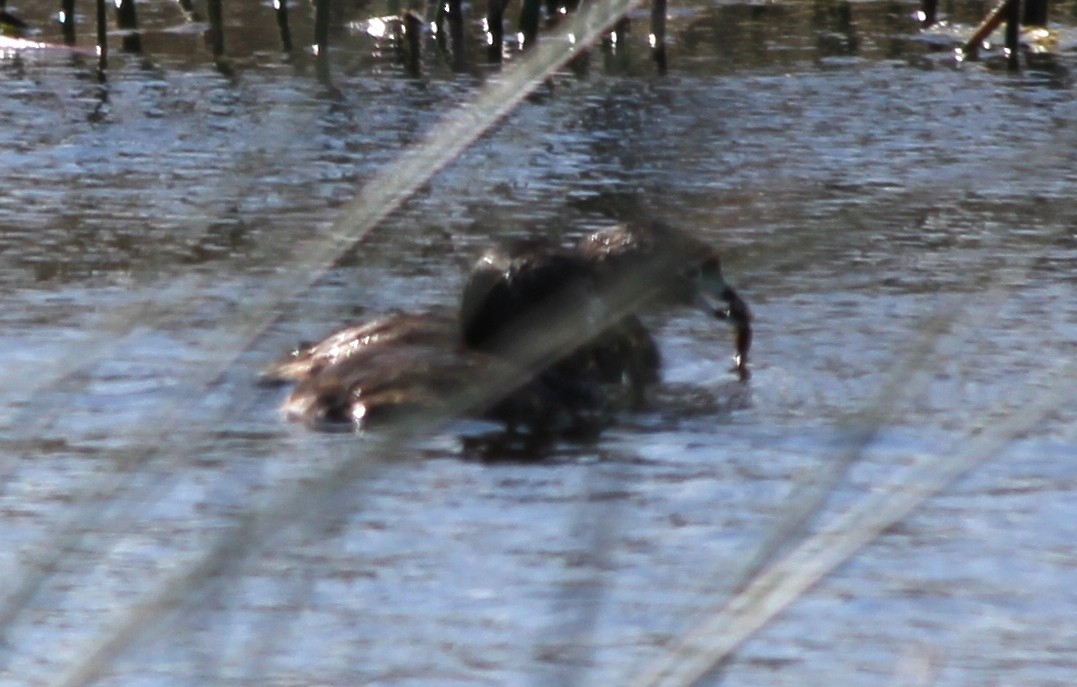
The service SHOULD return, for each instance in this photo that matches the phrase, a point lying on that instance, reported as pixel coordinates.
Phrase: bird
(547, 340)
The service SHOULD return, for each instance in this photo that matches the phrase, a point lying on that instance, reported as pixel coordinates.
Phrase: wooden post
(1013, 28)
(102, 37)
(413, 34)
(281, 8)
(127, 19)
(1035, 13)
(929, 13)
(495, 29)
(215, 35)
(658, 34)
(529, 21)
(620, 33)
(67, 20)
(456, 35)
(321, 28)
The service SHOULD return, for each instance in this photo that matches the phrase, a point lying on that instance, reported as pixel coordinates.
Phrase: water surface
(884, 210)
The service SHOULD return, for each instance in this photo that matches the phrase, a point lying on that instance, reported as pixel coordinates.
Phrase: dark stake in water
(900, 222)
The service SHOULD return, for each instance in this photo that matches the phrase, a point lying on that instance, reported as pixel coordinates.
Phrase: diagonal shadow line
(752, 598)
(292, 508)
(937, 340)
(323, 499)
(707, 645)
(809, 500)
(385, 192)
(374, 202)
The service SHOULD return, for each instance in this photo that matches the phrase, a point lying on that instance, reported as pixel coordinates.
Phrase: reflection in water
(834, 26)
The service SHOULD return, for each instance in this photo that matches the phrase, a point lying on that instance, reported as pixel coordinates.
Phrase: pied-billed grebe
(556, 329)
(640, 265)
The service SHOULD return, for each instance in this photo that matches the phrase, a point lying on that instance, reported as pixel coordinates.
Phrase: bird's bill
(718, 299)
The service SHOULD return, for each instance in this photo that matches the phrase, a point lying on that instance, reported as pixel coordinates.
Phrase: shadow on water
(901, 226)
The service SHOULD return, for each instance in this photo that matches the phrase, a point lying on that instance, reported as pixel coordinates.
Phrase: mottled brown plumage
(552, 331)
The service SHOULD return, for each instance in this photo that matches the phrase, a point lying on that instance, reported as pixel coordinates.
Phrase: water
(883, 210)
